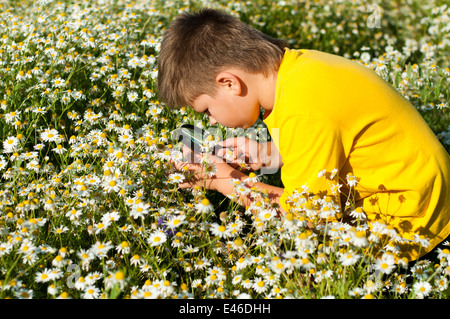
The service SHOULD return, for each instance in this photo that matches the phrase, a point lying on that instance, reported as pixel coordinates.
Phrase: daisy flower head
(111, 216)
(52, 290)
(358, 213)
(220, 231)
(443, 253)
(60, 230)
(99, 227)
(117, 278)
(157, 238)
(242, 263)
(50, 135)
(123, 248)
(327, 212)
(136, 260)
(190, 249)
(112, 184)
(229, 156)
(385, 264)
(204, 206)
(236, 279)
(359, 238)
(242, 189)
(235, 228)
(352, 180)
(278, 266)
(260, 285)
(210, 168)
(91, 292)
(100, 249)
(59, 149)
(306, 263)
(12, 117)
(252, 177)
(441, 283)
(43, 276)
(139, 209)
(132, 96)
(349, 258)
(176, 221)
(10, 144)
(3, 163)
(176, 178)
(422, 240)
(86, 256)
(118, 155)
(267, 214)
(422, 289)
(24, 293)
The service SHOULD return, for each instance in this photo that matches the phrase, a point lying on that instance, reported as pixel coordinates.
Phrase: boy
(325, 113)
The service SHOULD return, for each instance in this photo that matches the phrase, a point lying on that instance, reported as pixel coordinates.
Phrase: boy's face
(235, 103)
(228, 110)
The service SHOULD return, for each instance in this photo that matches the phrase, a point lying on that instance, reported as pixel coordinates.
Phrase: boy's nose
(212, 120)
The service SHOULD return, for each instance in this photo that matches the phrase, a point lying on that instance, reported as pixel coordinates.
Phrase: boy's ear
(229, 82)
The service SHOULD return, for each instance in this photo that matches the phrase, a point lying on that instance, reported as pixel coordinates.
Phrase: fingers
(194, 174)
(185, 166)
(226, 153)
(184, 185)
(229, 142)
(231, 147)
(189, 155)
(179, 166)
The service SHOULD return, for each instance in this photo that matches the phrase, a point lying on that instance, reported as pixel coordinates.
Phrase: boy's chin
(253, 122)
(244, 126)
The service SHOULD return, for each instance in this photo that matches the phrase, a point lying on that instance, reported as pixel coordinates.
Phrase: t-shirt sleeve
(308, 145)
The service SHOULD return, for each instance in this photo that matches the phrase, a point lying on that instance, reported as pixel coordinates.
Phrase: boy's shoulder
(306, 58)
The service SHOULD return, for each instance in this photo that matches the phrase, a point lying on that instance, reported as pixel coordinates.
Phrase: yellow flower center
(119, 275)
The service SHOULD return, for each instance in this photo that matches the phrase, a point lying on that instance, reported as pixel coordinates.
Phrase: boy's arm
(270, 156)
(222, 183)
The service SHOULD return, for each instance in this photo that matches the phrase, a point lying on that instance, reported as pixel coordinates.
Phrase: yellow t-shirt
(333, 113)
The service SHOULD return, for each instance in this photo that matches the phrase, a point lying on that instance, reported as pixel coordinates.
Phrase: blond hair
(197, 46)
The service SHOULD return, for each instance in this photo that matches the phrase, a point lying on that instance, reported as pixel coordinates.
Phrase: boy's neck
(266, 87)
(262, 87)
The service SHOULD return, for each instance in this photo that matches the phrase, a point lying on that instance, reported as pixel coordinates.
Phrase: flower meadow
(89, 204)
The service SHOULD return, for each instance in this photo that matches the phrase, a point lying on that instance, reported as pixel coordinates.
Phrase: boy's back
(333, 113)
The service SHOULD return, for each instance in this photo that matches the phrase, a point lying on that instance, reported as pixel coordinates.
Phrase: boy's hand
(244, 150)
(199, 175)
(209, 176)
(254, 154)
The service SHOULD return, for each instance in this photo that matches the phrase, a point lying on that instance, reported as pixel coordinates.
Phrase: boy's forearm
(270, 157)
(223, 185)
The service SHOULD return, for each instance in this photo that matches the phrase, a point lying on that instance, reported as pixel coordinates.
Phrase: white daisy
(157, 238)
(50, 135)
